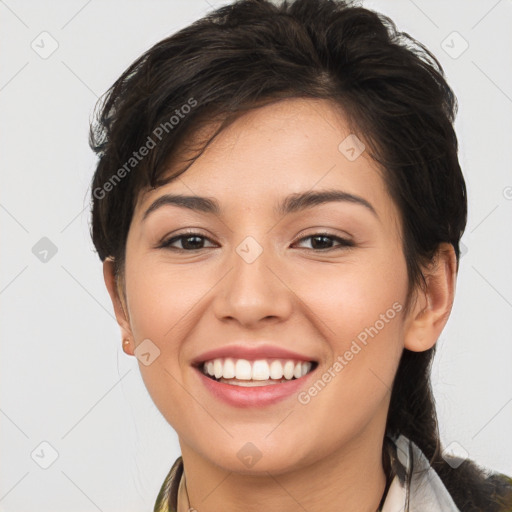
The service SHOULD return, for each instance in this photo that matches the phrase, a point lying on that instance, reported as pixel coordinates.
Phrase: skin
(324, 455)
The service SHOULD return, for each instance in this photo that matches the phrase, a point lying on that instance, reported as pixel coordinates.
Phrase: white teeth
(288, 370)
(243, 370)
(217, 368)
(297, 372)
(260, 370)
(276, 370)
(228, 371)
(269, 371)
(251, 383)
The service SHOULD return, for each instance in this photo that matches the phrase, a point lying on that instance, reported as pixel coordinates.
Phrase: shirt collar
(420, 489)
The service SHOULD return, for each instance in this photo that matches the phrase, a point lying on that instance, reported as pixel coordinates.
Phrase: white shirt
(425, 491)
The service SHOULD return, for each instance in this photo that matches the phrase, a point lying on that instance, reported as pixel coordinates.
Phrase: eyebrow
(292, 203)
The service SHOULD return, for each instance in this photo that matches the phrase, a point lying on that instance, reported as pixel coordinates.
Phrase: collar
(419, 488)
(416, 489)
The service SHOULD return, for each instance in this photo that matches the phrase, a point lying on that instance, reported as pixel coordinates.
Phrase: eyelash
(344, 243)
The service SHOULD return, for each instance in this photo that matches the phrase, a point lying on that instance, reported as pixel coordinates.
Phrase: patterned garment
(423, 492)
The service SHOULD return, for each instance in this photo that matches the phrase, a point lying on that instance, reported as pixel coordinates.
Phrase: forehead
(285, 148)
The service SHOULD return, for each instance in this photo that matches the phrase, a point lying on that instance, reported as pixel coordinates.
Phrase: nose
(253, 293)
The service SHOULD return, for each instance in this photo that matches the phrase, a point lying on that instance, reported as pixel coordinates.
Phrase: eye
(190, 241)
(321, 242)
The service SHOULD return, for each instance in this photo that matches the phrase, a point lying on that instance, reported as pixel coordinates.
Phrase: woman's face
(256, 276)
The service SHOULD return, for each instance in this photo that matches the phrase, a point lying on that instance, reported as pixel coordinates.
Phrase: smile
(261, 372)
(254, 383)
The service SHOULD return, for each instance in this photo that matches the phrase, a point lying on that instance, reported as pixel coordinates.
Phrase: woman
(278, 204)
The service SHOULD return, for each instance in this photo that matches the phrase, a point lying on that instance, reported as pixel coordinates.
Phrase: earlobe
(433, 306)
(120, 308)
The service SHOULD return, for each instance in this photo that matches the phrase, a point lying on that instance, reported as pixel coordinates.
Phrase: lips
(253, 373)
(254, 396)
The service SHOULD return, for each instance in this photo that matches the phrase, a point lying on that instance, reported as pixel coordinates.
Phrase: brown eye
(323, 241)
(189, 242)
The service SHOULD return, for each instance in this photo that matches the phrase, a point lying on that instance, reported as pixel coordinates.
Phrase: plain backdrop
(65, 381)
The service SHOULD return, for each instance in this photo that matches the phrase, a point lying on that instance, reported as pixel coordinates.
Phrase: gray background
(65, 379)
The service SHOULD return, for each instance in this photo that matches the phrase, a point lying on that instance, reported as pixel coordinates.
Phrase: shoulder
(449, 484)
(500, 487)
(168, 496)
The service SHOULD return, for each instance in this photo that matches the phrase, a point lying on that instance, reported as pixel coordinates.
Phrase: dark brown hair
(393, 93)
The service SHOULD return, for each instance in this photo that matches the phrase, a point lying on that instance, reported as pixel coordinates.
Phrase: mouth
(255, 373)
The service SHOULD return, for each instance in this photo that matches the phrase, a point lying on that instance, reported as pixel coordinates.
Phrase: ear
(120, 309)
(433, 306)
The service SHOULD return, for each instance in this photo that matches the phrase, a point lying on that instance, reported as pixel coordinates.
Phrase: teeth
(288, 370)
(268, 371)
(260, 370)
(251, 383)
(217, 368)
(243, 369)
(228, 371)
(276, 370)
(298, 370)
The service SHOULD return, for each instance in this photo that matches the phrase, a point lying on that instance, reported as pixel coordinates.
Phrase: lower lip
(257, 396)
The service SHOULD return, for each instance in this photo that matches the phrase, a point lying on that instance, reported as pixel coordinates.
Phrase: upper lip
(250, 353)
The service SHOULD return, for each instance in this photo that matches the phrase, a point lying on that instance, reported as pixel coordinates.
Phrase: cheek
(359, 311)
(159, 299)
(345, 300)
(161, 303)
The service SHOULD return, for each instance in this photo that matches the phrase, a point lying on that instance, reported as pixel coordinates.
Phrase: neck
(350, 479)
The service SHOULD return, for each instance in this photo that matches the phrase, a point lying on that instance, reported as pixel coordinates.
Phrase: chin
(255, 457)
